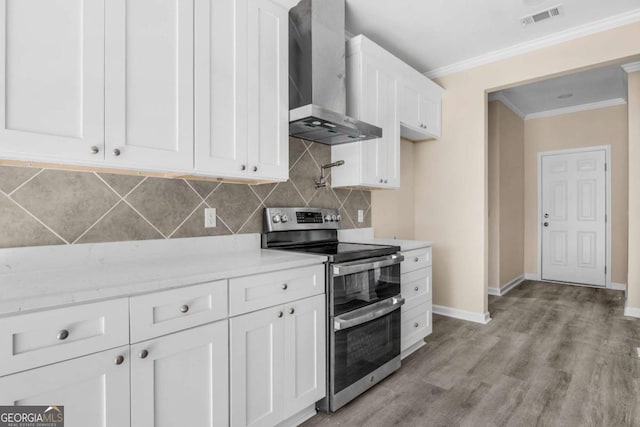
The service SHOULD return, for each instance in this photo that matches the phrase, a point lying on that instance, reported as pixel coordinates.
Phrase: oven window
(362, 349)
(356, 290)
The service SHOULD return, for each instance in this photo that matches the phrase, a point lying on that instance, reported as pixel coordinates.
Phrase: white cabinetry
(181, 378)
(52, 80)
(149, 84)
(241, 80)
(372, 97)
(277, 362)
(420, 107)
(94, 390)
(417, 291)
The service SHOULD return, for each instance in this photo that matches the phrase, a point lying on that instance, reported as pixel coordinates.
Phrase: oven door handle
(370, 264)
(367, 314)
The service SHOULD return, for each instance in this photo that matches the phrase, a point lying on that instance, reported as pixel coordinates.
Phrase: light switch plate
(209, 217)
(360, 215)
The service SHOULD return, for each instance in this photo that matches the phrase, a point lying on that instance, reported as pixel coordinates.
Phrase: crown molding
(631, 67)
(577, 108)
(499, 96)
(550, 40)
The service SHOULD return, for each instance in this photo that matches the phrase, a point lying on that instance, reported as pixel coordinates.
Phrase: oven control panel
(288, 219)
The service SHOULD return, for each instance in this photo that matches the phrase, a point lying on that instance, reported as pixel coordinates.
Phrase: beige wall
(506, 195)
(393, 211)
(633, 283)
(451, 200)
(605, 126)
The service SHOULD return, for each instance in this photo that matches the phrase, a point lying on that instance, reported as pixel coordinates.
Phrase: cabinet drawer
(36, 339)
(416, 259)
(259, 291)
(417, 285)
(161, 313)
(416, 324)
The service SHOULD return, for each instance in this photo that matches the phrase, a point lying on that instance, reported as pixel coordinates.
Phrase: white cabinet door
(304, 357)
(182, 380)
(268, 89)
(52, 80)
(94, 390)
(257, 359)
(430, 114)
(149, 84)
(221, 87)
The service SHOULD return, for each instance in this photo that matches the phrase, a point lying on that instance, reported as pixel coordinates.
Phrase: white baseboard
(631, 311)
(470, 316)
(617, 286)
(503, 290)
(532, 276)
(299, 418)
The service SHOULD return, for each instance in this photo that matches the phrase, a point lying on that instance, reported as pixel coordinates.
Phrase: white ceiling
(598, 86)
(431, 34)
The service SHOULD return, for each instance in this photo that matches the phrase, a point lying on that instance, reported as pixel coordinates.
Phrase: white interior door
(573, 217)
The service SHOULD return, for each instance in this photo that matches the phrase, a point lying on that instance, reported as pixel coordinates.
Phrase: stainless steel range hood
(317, 68)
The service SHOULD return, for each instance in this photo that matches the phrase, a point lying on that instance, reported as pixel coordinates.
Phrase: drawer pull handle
(119, 360)
(416, 289)
(291, 311)
(284, 286)
(415, 325)
(143, 354)
(416, 259)
(184, 308)
(63, 335)
(280, 314)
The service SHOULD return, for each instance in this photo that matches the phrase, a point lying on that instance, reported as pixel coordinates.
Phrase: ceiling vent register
(535, 18)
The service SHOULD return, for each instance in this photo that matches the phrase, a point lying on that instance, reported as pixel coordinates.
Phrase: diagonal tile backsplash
(48, 206)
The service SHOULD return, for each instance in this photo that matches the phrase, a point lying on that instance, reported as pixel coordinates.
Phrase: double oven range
(363, 298)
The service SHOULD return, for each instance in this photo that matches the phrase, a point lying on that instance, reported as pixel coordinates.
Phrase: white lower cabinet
(181, 379)
(277, 362)
(417, 291)
(94, 390)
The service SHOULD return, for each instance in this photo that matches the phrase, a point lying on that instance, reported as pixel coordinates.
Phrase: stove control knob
(334, 217)
(276, 218)
(327, 218)
(284, 218)
(339, 218)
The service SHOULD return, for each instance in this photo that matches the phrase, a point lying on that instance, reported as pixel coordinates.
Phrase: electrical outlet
(209, 217)
(360, 215)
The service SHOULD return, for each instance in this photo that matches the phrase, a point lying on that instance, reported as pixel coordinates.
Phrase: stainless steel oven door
(365, 348)
(357, 284)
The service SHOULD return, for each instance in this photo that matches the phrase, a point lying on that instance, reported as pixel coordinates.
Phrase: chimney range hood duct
(317, 94)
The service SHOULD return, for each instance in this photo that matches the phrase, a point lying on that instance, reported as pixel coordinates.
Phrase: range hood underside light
(317, 124)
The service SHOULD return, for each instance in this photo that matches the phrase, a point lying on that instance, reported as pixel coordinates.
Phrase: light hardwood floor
(553, 355)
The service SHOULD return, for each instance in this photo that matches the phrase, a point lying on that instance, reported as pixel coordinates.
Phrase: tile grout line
(248, 219)
(24, 183)
(144, 218)
(186, 219)
(96, 222)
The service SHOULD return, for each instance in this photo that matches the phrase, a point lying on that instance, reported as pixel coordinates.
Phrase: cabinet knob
(285, 286)
(116, 152)
(416, 259)
(95, 150)
(415, 325)
(385, 181)
(416, 289)
(280, 314)
(143, 354)
(63, 335)
(255, 169)
(243, 167)
(291, 311)
(381, 181)
(184, 308)
(119, 360)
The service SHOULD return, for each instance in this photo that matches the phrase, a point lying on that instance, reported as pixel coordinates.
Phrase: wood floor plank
(553, 355)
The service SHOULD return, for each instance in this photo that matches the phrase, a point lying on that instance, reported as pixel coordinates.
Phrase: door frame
(607, 151)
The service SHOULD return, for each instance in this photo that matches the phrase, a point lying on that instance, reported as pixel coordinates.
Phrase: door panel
(52, 79)
(574, 217)
(149, 83)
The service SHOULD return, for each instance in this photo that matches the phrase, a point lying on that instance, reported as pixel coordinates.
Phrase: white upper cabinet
(372, 96)
(241, 85)
(51, 79)
(149, 83)
(420, 107)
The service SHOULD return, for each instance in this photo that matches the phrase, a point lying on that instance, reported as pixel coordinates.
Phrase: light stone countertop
(365, 235)
(86, 273)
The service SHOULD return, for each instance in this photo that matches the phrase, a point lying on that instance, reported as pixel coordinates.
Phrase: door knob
(546, 224)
